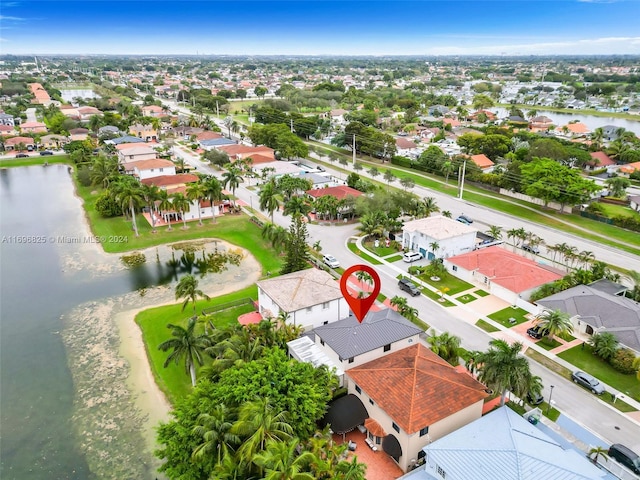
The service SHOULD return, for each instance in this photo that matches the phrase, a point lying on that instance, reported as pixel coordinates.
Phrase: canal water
(58, 295)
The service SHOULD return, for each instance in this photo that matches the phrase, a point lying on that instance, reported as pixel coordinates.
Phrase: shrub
(107, 206)
(84, 176)
(605, 345)
(596, 208)
(623, 361)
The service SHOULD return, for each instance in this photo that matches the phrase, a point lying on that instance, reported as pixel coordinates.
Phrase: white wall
(155, 172)
(449, 247)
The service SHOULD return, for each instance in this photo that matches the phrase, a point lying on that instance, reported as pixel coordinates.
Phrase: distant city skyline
(261, 27)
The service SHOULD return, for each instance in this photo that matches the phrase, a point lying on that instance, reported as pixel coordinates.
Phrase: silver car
(588, 381)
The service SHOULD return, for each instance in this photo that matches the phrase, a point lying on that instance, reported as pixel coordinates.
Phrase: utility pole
(217, 109)
(291, 124)
(464, 167)
(354, 148)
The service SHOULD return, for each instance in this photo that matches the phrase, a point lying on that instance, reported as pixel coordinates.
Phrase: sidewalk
(508, 333)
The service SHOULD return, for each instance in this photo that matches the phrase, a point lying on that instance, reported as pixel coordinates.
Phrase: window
(351, 360)
(358, 389)
(309, 309)
(325, 306)
(326, 322)
(371, 402)
(424, 431)
(441, 471)
(321, 342)
(387, 347)
(162, 169)
(455, 268)
(395, 427)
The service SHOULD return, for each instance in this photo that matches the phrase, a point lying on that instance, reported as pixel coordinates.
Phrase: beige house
(33, 127)
(412, 398)
(136, 153)
(53, 141)
(146, 132)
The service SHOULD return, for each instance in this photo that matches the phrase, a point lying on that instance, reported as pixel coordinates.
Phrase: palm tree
(428, 206)
(596, 452)
(181, 204)
(389, 177)
(495, 232)
(434, 246)
(447, 169)
(104, 170)
(129, 195)
(257, 423)
(214, 429)
(445, 346)
(281, 461)
(196, 192)
(634, 276)
(151, 193)
(597, 137)
(502, 368)
(374, 172)
(605, 345)
(276, 234)
(232, 179)
(352, 470)
(446, 214)
(187, 288)
(403, 307)
(296, 206)
(187, 347)
(555, 322)
(213, 193)
(372, 224)
(164, 204)
(269, 198)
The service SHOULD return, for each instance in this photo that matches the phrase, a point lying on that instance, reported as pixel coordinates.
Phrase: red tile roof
(603, 159)
(417, 388)
(405, 144)
(170, 180)
(482, 161)
(630, 167)
(149, 164)
(340, 192)
(17, 140)
(246, 150)
(208, 135)
(509, 270)
(258, 158)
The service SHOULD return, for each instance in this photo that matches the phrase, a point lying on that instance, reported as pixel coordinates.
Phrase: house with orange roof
(33, 127)
(153, 111)
(490, 115)
(238, 152)
(40, 94)
(572, 130)
(156, 167)
(165, 182)
(208, 135)
(540, 124)
(629, 168)
(12, 143)
(413, 397)
(78, 134)
(484, 162)
(136, 153)
(600, 160)
(53, 141)
(340, 192)
(507, 275)
(7, 130)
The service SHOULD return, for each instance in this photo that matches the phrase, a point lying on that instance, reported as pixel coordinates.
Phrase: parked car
(537, 332)
(409, 287)
(625, 456)
(530, 248)
(464, 219)
(588, 381)
(22, 155)
(412, 257)
(535, 398)
(46, 152)
(331, 261)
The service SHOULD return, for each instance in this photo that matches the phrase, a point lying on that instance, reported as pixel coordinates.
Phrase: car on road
(22, 155)
(588, 381)
(625, 456)
(535, 398)
(537, 332)
(530, 248)
(409, 287)
(331, 261)
(46, 152)
(464, 219)
(410, 257)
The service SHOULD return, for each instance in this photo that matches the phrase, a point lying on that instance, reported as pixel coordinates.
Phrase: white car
(331, 261)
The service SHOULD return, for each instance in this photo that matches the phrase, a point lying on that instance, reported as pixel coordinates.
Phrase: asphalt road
(585, 408)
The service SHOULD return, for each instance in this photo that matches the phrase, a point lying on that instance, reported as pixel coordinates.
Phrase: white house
(449, 236)
(136, 153)
(311, 298)
(155, 167)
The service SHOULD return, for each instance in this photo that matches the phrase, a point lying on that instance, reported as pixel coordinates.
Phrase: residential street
(579, 404)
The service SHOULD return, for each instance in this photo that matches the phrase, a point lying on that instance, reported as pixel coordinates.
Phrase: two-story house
(438, 237)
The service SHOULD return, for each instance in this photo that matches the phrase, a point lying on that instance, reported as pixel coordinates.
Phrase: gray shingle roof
(350, 338)
(504, 446)
(618, 315)
(297, 290)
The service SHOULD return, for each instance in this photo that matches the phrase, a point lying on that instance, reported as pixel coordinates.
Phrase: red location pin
(360, 306)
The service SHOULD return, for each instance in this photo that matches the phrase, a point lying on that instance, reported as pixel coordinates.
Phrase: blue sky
(448, 27)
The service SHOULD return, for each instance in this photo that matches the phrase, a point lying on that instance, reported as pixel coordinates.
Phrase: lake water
(590, 121)
(43, 281)
(69, 94)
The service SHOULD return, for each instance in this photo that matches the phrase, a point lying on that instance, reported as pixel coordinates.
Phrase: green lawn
(380, 251)
(548, 344)
(481, 293)
(447, 280)
(486, 326)
(583, 359)
(466, 298)
(503, 316)
(395, 258)
(235, 229)
(618, 211)
(39, 160)
(354, 248)
(173, 380)
(436, 296)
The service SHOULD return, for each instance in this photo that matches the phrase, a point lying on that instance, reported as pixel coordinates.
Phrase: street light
(550, 394)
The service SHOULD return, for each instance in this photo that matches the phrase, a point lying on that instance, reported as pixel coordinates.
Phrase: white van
(412, 257)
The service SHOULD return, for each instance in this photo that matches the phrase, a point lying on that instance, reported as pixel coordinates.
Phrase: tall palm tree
(276, 234)
(181, 204)
(495, 231)
(269, 198)
(447, 169)
(104, 170)
(129, 195)
(502, 368)
(151, 194)
(213, 193)
(187, 289)
(232, 179)
(352, 470)
(214, 429)
(196, 192)
(296, 206)
(164, 205)
(556, 322)
(434, 246)
(597, 137)
(257, 423)
(445, 346)
(281, 461)
(187, 347)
